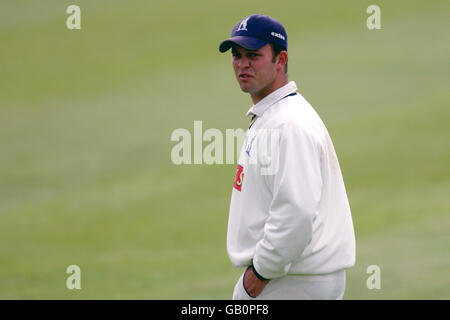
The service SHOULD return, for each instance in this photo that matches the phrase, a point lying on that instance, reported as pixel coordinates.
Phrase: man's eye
(252, 55)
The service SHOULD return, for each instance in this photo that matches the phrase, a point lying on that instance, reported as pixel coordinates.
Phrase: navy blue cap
(254, 32)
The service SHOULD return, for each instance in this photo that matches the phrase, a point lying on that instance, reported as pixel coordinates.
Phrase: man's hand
(252, 284)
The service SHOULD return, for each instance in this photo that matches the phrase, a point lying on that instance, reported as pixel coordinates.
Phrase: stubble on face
(255, 70)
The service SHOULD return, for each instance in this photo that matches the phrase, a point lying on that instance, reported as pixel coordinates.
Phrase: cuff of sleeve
(260, 277)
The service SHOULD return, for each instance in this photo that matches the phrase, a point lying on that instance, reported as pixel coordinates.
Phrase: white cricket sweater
(289, 212)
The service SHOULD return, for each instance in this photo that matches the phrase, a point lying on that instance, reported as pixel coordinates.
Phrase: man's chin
(245, 88)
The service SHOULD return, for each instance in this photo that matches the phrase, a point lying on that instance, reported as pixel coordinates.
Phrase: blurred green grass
(85, 124)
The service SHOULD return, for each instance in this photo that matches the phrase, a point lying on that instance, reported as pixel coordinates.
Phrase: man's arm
(297, 188)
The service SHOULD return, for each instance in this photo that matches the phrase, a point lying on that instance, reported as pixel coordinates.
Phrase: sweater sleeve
(296, 188)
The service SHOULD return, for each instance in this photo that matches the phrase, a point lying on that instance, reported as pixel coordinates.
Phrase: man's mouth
(245, 76)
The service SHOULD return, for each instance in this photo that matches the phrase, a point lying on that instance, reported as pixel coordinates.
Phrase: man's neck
(257, 97)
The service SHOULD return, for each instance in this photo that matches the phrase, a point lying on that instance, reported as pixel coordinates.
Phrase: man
(290, 224)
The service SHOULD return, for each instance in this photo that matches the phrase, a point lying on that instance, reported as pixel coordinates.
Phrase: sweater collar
(272, 98)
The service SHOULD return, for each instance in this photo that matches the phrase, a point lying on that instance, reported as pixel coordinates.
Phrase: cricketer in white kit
(290, 224)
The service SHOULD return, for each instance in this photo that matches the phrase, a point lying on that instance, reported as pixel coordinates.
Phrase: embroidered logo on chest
(239, 178)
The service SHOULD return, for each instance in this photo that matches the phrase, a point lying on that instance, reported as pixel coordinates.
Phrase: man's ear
(282, 60)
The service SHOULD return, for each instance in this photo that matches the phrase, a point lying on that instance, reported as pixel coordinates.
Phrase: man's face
(254, 69)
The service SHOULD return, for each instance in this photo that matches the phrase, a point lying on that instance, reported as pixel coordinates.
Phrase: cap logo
(243, 25)
(278, 35)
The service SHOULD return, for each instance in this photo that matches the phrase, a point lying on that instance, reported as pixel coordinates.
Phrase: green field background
(85, 123)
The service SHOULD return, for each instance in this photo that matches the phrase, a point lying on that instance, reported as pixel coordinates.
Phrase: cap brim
(248, 43)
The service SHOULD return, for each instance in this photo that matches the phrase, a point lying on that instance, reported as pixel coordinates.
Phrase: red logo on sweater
(239, 178)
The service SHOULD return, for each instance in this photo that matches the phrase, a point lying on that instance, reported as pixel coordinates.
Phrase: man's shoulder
(293, 111)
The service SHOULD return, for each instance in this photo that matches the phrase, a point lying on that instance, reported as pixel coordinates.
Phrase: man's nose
(244, 62)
